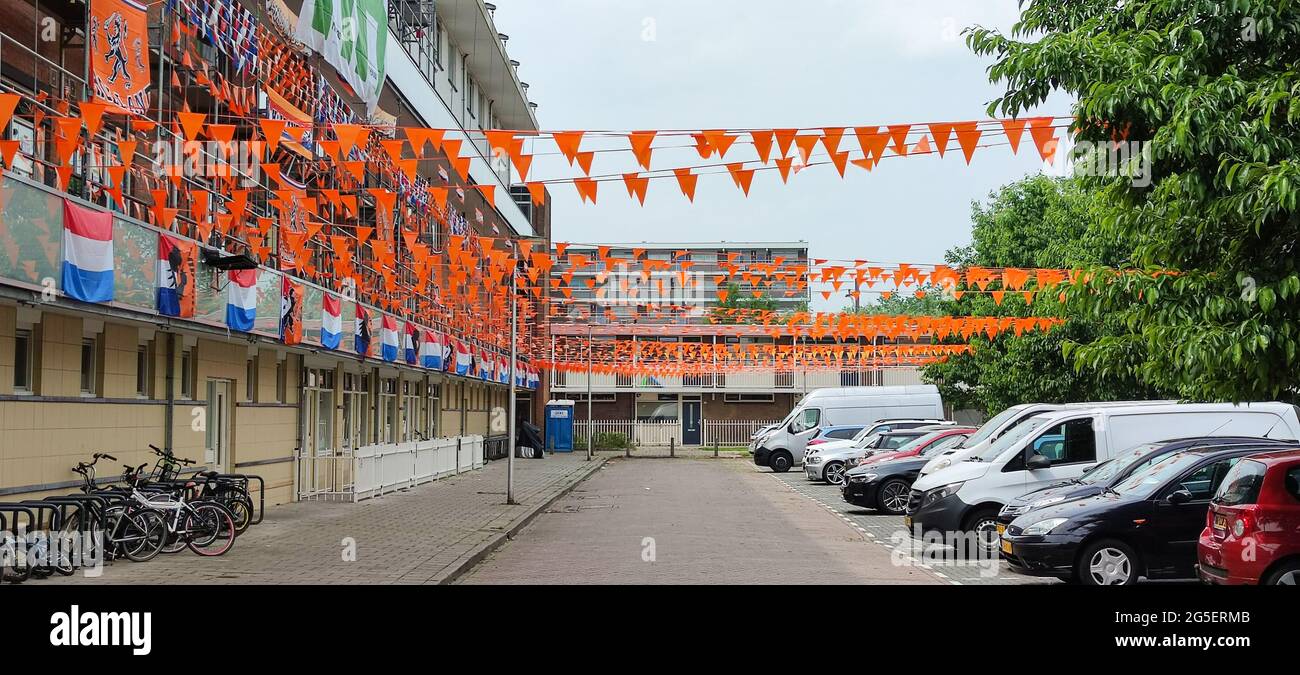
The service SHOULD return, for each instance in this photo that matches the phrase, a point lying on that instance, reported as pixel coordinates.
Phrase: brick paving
(711, 522)
(427, 535)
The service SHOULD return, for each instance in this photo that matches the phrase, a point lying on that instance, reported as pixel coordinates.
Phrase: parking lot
(888, 532)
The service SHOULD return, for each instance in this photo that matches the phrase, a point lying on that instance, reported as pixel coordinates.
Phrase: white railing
(732, 432)
(376, 470)
(743, 381)
(662, 434)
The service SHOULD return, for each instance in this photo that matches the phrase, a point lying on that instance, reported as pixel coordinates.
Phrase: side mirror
(1038, 463)
(1180, 497)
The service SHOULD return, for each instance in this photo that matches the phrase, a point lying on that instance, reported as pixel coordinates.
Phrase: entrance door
(217, 453)
(692, 426)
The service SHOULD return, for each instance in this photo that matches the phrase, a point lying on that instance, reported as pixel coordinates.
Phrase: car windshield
(1107, 471)
(939, 446)
(1011, 438)
(1144, 483)
(991, 426)
(919, 441)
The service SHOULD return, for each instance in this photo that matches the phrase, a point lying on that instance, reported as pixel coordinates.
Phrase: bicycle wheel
(241, 509)
(211, 529)
(140, 534)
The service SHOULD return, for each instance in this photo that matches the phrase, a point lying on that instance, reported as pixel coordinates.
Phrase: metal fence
(663, 434)
(375, 470)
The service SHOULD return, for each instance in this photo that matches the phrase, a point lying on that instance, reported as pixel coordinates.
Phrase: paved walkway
(690, 521)
(428, 535)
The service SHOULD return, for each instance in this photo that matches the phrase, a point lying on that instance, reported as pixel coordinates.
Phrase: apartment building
(82, 373)
(627, 306)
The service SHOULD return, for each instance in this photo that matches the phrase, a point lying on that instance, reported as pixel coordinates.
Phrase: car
(1061, 445)
(1007, 420)
(1145, 526)
(1252, 528)
(881, 427)
(830, 465)
(783, 448)
(841, 432)
(884, 486)
(1102, 476)
(930, 436)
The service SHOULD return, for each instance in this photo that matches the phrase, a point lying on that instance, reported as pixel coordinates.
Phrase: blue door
(692, 425)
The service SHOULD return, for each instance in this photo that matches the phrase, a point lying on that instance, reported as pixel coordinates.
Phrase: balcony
(740, 382)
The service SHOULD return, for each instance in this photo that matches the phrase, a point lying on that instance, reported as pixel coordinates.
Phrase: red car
(1252, 531)
(916, 447)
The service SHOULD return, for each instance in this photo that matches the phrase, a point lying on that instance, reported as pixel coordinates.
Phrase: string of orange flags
(843, 327)
(813, 358)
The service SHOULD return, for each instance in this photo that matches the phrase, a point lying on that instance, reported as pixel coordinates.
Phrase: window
(187, 374)
(1242, 484)
(23, 359)
(849, 432)
(88, 366)
(650, 411)
(250, 381)
(142, 371)
(749, 398)
(1204, 481)
(1292, 482)
(809, 419)
(1072, 442)
(596, 397)
(282, 381)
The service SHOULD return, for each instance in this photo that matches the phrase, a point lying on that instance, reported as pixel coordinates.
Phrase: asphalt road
(663, 521)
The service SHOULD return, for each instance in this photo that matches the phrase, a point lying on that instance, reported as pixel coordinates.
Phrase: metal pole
(514, 354)
(590, 435)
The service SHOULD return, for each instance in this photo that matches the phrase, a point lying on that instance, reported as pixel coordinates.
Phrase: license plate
(1002, 529)
(1220, 521)
(1006, 547)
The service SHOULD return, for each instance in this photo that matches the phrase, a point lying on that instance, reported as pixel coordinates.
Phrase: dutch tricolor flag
(412, 335)
(484, 365)
(87, 254)
(431, 350)
(169, 279)
(534, 378)
(241, 300)
(331, 325)
(464, 359)
(388, 337)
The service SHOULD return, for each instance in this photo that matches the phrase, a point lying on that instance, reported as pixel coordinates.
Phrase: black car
(1112, 472)
(1147, 525)
(885, 486)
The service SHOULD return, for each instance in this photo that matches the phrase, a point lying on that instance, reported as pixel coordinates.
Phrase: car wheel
(984, 525)
(1108, 563)
(893, 495)
(834, 473)
(1286, 575)
(780, 462)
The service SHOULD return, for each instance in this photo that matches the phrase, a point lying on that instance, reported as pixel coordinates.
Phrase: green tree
(1210, 87)
(1037, 222)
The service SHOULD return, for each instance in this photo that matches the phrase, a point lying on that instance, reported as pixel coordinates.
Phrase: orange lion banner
(119, 53)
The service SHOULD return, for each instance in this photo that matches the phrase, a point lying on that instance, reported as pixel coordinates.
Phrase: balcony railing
(745, 381)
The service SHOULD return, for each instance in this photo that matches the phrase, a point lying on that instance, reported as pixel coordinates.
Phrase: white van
(1007, 420)
(783, 447)
(1056, 446)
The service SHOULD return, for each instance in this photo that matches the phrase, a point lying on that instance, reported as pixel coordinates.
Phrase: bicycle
(230, 491)
(208, 528)
(128, 530)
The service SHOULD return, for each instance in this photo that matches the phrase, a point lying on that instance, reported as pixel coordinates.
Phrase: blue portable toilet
(559, 425)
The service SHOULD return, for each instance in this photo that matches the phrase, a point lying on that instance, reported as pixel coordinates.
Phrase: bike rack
(261, 492)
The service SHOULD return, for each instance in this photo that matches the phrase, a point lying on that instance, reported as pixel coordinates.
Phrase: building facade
(682, 306)
(82, 373)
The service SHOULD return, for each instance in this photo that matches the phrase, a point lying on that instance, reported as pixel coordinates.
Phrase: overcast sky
(691, 64)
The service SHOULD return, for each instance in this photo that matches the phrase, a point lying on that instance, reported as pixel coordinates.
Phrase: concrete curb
(476, 555)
